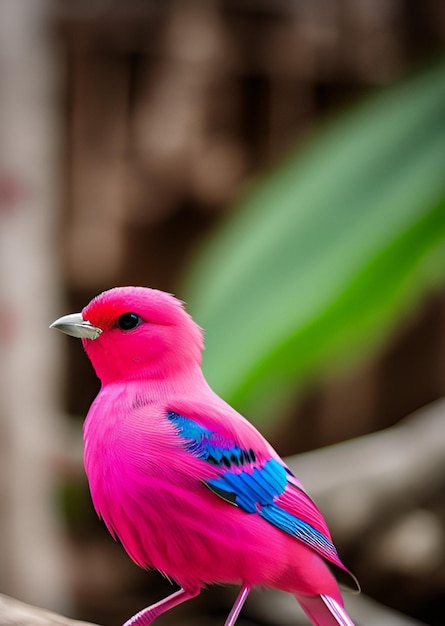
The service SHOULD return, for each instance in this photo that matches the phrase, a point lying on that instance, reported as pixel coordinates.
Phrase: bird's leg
(148, 615)
(236, 608)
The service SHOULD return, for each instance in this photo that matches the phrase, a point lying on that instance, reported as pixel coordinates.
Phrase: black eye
(127, 321)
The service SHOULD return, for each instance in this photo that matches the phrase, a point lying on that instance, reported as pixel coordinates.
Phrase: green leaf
(321, 259)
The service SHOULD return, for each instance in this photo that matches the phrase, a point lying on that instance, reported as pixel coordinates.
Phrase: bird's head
(129, 332)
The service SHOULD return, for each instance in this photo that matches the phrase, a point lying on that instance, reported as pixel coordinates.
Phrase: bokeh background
(279, 165)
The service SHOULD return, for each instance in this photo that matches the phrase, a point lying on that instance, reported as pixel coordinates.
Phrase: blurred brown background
(151, 118)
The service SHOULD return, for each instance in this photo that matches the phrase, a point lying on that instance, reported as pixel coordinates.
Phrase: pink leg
(148, 615)
(236, 608)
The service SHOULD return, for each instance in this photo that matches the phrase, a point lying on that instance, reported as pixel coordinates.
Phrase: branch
(264, 605)
(15, 613)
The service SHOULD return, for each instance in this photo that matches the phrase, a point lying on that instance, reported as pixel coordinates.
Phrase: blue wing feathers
(210, 446)
(252, 486)
(298, 528)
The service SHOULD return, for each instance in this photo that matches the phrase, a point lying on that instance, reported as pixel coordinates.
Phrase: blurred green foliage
(322, 258)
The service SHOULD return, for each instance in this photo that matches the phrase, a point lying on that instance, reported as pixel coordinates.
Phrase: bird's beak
(76, 326)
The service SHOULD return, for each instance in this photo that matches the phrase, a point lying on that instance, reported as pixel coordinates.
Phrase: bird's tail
(324, 611)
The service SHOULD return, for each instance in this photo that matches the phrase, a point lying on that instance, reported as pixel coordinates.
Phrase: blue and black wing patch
(210, 446)
(243, 481)
(253, 488)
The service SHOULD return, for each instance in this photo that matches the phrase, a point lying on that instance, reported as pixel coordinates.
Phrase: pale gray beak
(76, 326)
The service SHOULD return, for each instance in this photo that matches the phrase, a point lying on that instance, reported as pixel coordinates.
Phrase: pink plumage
(185, 482)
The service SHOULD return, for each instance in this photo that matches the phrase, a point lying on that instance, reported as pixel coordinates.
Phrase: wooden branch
(15, 613)
(267, 605)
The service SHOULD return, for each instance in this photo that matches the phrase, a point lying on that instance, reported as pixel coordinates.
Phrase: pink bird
(184, 481)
